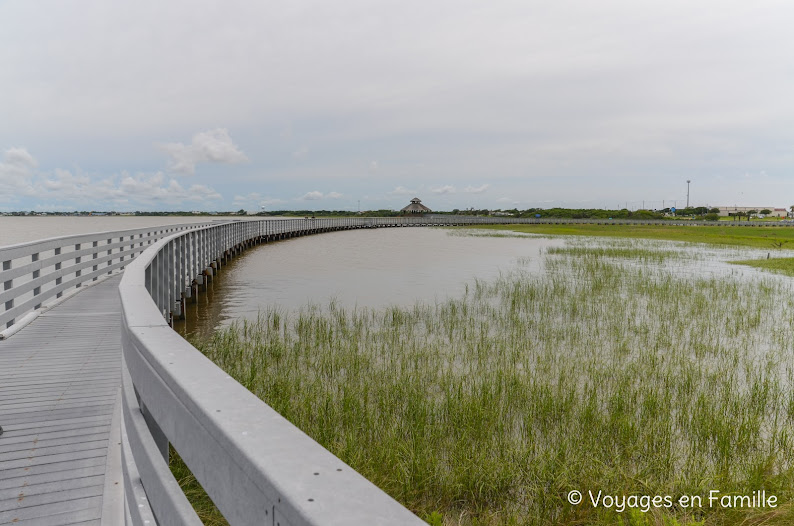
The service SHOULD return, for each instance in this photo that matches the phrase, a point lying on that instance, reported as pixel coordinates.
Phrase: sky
(355, 104)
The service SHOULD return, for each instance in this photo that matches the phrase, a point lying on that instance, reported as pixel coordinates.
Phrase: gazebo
(416, 207)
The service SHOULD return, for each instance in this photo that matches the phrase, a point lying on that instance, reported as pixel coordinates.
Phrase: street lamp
(687, 192)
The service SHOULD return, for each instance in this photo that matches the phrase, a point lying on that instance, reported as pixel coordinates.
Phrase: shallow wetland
(633, 367)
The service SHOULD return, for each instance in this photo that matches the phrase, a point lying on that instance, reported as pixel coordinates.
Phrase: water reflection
(372, 268)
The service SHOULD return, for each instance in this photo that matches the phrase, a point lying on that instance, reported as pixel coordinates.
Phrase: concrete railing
(39, 274)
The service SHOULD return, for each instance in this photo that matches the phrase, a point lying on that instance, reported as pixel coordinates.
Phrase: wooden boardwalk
(59, 386)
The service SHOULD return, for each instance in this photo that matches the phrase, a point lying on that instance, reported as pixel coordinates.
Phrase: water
(365, 268)
(382, 267)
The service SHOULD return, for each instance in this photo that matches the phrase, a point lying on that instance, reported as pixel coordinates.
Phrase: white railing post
(59, 279)
(110, 255)
(77, 260)
(180, 274)
(8, 285)
(95, 256)
(36, 273)
(193, 265)
(121, 250)
(170, 277)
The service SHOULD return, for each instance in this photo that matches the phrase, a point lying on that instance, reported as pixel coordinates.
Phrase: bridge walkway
(59, 387)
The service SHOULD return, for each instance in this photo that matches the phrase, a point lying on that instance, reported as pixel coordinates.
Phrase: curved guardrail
(39, 274)
(255, 466)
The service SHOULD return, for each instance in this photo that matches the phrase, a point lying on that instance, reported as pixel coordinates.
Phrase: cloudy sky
(152, 105)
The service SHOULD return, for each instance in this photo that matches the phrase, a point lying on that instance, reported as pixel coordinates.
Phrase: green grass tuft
(777, 265)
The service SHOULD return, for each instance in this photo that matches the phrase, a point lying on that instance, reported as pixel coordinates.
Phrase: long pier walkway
(59, 389)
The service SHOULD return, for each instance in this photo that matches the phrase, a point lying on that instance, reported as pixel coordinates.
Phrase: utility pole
(687, 192)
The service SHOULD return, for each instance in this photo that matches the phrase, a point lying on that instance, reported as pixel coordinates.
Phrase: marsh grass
(759, 237)
(617, 252)
(207, 512)
(597, 374)
(778, 265)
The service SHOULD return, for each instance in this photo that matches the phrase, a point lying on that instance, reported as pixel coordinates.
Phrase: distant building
(416, 207)
(726, 211)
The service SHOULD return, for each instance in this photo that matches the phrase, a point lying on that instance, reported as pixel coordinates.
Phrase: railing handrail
(48, 243)
(33, 272)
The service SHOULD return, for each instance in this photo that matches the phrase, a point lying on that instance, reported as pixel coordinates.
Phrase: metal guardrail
(36, 275)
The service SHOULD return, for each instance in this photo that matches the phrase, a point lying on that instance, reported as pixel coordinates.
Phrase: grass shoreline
(783, 266)
(757, 237)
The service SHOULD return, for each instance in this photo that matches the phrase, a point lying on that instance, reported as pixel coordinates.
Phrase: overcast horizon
(309, 105)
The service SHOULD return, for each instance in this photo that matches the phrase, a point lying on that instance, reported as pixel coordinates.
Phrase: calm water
(365, 268)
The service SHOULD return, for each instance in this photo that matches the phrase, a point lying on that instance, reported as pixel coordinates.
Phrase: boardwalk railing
(256, 467)
(37, 274)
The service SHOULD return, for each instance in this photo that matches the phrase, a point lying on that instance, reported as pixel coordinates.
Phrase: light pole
(687, 192)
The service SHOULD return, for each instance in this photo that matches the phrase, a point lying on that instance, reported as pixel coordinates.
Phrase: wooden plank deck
(59, 385)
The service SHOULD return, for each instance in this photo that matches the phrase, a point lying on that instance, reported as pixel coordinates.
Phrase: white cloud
(311, 196)
(213, 146)
(756, 175)
(476, 189)
(65, 182)
(401, 190)
(19, 179)
(142, 188)
(373, 166)
(249, 198)
(315, 196)
(255, 199)
(153, 188)
(16, 174)
(19, 158)
(301, 153)
(442, 190)
(270, 201)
